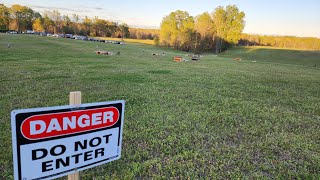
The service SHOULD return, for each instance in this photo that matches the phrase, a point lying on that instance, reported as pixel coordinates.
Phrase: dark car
(68, 35)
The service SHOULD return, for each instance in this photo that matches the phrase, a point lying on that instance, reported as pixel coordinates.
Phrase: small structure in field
(179, 59)
(104, 53)
(195, 57)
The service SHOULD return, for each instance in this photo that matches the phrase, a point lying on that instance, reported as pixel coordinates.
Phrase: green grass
(216, 118)
(275, 55)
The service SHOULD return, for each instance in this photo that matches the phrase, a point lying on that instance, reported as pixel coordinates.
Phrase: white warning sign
(53, 142)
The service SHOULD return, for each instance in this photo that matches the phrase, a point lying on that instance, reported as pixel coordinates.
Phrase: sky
(264, 17)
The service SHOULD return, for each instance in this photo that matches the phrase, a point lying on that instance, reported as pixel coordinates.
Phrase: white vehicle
(30, 32)
(13, 32)
(78, 37)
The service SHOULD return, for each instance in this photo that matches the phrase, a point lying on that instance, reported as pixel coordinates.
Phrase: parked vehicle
(78, 37)
(68, 35)
(84, 38)
(30, 32)
(12, 32)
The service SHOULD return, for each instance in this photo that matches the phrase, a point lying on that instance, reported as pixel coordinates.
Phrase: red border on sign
(25, 127)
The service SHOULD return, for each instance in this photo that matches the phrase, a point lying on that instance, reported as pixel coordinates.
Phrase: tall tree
(56, 19)
(168, 30)
(111, 28)
(96, 26)
(219, 20)
(66, 25)
(124, 30)
(235, 24)
(21, 17)
(229, 23)
(4, 17)
(37, 25)
(48, 24)
(177, 30)
(75, 24)
(204, 28)
(87, 23)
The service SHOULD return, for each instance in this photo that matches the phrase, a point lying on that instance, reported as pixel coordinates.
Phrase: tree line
(22, 18)
(219, 31)
(308, 43)
(216, 31)
(206, 32)
(138, 33)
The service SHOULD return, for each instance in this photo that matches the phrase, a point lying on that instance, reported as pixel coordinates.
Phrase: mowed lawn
(216, 118)
(276, 55)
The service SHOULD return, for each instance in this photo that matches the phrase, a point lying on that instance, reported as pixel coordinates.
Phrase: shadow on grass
(284, 56)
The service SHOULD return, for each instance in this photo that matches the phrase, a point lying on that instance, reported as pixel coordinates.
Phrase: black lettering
(46, 165)
(107, 138)
(61, 161)
(88, 155)
(35, 154)
(76, 157)
(98, 142)
(53, 150)
(98, 151)
(82, 146)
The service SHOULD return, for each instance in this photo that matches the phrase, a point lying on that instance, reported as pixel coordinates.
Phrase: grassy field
(275, 55)
(216, 118)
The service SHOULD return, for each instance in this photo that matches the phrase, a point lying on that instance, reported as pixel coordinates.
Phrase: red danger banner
(56, 141)
(58, 124)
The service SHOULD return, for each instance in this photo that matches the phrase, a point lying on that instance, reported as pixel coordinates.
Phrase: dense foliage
(280, 41)
(218, 31)
(21, 18)
(206, 32)
(137, 33)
